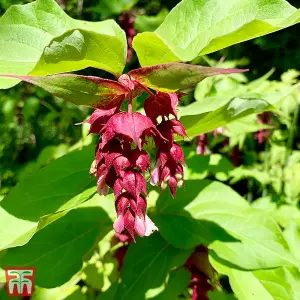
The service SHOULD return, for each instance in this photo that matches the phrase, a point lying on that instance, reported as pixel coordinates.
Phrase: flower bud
(180, 183)
(178, 176)
(163, 185)
(93, 169)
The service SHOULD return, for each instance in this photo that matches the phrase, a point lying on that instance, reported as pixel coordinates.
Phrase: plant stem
(266, 166)
(251, 146)
(250, 188)
(79, 7)
(133, 104)
(130, 104)
(289, 148)
(146, 89)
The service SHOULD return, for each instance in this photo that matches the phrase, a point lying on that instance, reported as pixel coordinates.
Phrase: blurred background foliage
(258, 156)
(36, 127)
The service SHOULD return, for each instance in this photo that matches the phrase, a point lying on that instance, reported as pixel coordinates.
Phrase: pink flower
(262, 135)
(202, 144)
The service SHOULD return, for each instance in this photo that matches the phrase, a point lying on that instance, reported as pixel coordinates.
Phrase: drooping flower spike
(120, 161)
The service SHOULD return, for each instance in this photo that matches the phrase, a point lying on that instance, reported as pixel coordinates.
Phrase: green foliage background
(37, 128)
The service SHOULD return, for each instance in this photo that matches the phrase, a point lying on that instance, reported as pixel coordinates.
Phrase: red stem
(130, 103)
(145, 89)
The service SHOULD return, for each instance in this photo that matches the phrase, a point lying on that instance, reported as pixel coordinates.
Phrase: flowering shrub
(193, 230)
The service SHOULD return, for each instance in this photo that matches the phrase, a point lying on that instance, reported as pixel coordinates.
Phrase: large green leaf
(81, 90)
(146, 266)
(197, 27)
(214, 215)
(274, 284)
(51, 250)
(65, 291)
(40, 39)
(59, 186)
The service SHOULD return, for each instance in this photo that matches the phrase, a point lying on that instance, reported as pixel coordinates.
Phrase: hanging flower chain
(121, 162)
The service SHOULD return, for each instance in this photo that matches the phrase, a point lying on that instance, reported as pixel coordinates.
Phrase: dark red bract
(121, 163)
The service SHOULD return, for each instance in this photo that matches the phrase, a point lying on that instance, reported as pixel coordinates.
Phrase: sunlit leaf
(197, 27)
(40, 39)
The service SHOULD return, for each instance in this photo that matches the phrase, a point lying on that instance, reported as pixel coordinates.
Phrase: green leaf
(78, 49)
(201, 166)
(176, 76)
(146, 266)
(43, 40)
(214, 215)
(245, 125)
(272, 284)
(237, 108)
(113, 7)
(149, 23)
(220, 296)
(286, 215)
(292, 236)
(252, 89)
(61, 185)
(51, 250)
(81, 90)
(93, 276)
(4, 295)
(69, 289)
(243, 172)
(184, 35)
(177, 284)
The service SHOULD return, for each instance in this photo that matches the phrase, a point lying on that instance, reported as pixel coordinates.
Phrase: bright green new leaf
(59, 186)
(198, 27)
(245, 125)
(273, 284)
(58, 249)
(40, 39)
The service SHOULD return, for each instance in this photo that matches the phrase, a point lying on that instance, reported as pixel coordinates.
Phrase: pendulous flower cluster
(121, 162)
